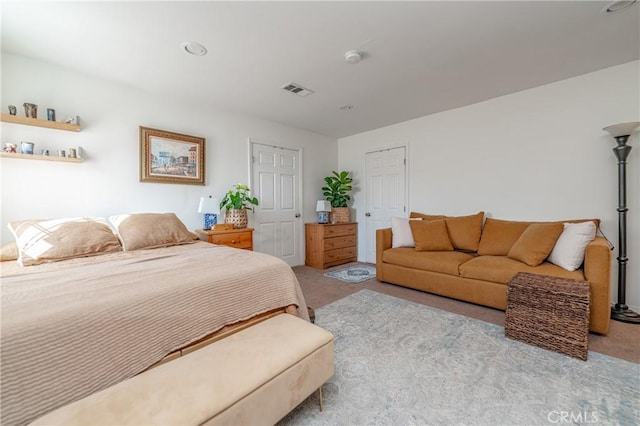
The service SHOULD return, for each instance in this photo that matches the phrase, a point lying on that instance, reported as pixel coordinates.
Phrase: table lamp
(210, 207)
(323, 207)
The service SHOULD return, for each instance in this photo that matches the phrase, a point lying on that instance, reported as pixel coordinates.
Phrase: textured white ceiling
(420, 57)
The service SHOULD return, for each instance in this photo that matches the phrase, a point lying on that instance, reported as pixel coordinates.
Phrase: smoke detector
(353, 56)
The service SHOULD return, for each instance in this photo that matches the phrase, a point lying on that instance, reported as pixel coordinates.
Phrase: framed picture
(168, 157)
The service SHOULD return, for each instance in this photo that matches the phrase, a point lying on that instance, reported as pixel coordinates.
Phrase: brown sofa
(481, 262)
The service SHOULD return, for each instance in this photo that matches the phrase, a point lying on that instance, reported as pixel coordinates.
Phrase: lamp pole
(621, 132)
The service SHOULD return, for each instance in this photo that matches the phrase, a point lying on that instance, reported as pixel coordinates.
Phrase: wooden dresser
(238, 238)
(330, 244)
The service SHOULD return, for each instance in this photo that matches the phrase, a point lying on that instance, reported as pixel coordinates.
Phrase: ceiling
(419, 57)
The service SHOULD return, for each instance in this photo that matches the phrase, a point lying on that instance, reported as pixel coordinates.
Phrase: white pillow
(401, 232)
(568, 253)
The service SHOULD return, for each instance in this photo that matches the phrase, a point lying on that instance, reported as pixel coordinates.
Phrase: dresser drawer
(339, 242)
(339, 230)
(238, 240)
(339, 254)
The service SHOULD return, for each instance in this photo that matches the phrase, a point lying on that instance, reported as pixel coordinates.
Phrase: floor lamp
(621, 132)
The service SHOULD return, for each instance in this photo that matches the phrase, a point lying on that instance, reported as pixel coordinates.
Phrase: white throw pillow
(568, 253)
(401, 232)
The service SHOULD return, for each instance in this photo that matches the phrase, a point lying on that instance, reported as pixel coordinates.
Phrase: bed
(76, 326)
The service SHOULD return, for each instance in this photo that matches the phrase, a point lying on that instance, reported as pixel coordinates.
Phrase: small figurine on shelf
(73, 120)
(10, 147)
(30, 110)
(12, 110)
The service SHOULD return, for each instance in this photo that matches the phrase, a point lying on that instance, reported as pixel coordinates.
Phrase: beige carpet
(621, 341)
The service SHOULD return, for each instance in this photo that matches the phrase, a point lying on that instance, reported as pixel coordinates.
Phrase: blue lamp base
(323, 217)
(210, 219)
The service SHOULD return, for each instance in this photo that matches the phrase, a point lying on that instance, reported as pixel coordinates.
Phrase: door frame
(260, 141)
(388, 147)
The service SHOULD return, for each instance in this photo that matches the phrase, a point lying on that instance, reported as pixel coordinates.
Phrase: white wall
(539, 154)
(108, 182)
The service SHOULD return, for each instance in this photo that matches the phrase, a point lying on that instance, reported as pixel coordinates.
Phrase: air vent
(297, 89)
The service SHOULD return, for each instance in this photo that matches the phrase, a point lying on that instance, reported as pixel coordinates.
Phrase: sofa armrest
(597, 270)
(383, 242)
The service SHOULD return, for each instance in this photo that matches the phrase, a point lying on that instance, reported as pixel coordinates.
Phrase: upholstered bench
(255, 376)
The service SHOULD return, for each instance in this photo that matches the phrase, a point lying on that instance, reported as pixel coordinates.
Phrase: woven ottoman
(549, 312)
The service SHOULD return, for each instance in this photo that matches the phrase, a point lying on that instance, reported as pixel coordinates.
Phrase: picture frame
(169, 157)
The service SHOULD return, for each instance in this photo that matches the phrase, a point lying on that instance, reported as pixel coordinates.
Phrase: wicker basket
(549, 312)
(340, 215)
(237, 217)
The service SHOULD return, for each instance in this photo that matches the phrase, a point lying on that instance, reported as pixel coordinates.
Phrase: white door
(277, 219)
(385, 196)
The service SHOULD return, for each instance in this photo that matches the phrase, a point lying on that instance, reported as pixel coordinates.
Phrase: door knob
(367, 214)
(297, 214)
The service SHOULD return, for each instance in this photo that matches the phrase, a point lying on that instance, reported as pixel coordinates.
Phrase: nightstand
(238, 238)
(330, 244)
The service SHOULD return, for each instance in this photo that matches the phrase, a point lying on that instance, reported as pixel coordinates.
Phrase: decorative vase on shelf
(236, 217)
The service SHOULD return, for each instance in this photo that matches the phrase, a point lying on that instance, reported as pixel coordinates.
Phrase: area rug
(354, 274)
(403, 363)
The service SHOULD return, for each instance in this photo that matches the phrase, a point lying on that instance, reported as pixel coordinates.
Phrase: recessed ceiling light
(346, 107)
(618, 6)
(193, 48)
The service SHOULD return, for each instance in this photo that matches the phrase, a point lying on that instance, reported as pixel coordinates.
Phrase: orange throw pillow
(430, 235)
(498, 236)
(465, 231)
(536, 242)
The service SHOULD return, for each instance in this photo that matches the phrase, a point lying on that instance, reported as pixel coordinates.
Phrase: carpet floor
(622, 341)
(400, 362)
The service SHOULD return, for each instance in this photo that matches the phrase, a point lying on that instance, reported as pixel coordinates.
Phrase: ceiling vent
(297, 89)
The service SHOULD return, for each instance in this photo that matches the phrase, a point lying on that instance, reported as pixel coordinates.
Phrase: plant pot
(340, 215)
(238, 218)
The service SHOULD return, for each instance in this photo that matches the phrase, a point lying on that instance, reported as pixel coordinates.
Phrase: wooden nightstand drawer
(337, 230)
(236, 238)
(339, 242)
(331, 256)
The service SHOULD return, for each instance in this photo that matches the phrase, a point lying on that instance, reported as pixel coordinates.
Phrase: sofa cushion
(501, 269)
(446, 262)
(568, 253)
(430, 235)
(536, 242)
(401, 235)
(465, 231)
(425, 216)
(498, 236)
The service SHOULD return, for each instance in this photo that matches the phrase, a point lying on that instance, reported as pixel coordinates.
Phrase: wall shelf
(7, 118)
(39, 157)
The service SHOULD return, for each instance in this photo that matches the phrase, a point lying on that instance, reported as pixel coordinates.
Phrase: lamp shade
(622, 129)
(323, 206)
(209, 205)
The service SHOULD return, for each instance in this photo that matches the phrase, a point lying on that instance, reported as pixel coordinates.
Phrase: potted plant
(337, 193)
(236, 202)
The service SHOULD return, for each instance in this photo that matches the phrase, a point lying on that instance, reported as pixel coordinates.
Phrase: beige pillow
(498, 236)
(536, 242)
(9, 252)
(465, 231)
(51, 240)
(151, 230)
(430, 235)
